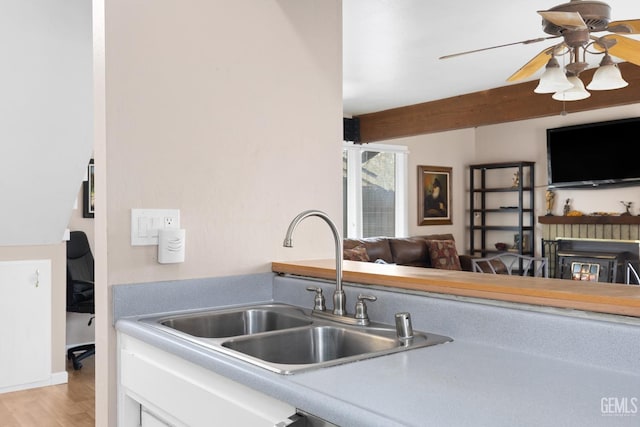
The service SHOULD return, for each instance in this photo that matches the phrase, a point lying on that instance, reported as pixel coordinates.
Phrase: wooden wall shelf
(589, 219)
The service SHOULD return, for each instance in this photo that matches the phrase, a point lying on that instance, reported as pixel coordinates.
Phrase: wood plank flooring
(63, 405)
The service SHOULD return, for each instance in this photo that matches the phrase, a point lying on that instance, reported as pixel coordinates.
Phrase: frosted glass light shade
(553, 79)
(607, 77)
(576, 93)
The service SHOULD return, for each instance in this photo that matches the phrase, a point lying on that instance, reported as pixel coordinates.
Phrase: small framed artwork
(434, 195)
(88, 197)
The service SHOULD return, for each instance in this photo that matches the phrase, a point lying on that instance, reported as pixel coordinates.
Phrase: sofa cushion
(409, 251)
(377, 247)
(444, 236)
(359, 253)
(444, 254)
(465, 262)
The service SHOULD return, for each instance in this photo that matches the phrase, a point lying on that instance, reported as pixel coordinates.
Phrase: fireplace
(610, 241)
(601, 260)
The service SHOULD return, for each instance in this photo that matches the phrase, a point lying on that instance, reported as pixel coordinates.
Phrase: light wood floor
(64, 405)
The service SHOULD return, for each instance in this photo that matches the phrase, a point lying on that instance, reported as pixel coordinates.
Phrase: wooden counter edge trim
(525, 299)
(546, 297)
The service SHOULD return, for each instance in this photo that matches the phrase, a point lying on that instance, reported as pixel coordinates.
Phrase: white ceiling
(391, 47)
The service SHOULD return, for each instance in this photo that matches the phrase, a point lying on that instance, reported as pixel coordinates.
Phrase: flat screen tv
(594, 154)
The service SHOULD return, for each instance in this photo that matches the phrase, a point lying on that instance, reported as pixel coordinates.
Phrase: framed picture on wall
(434, 195)
(88, 193)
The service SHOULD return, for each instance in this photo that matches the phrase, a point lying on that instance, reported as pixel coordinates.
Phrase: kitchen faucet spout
(339, 302)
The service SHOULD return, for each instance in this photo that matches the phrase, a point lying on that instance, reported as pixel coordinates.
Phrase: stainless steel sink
(315, 344)
(287, 339)
(229, 323)
(322, 345)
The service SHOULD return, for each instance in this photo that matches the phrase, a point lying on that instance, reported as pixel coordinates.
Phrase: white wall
(448, 149)
(45, 116)
(229, 111)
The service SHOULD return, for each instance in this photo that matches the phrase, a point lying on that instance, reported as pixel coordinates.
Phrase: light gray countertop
(475, 380)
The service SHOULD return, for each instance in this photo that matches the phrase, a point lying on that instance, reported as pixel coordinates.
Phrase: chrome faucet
(339, 299)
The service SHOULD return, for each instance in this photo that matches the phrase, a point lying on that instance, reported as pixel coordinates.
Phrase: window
(374, 190)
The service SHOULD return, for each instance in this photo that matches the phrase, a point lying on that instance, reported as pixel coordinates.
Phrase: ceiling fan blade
(537, 62)
(630, 26)
(530, 41)
(570, 20)
(624, 48)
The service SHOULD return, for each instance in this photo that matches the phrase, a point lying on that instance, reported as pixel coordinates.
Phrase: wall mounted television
(594, 155)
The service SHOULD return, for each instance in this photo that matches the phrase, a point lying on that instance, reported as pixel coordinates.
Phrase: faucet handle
(361, 307)
(367, 297)
(318, 300)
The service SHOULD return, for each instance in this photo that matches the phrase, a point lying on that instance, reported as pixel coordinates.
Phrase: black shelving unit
(497, 206)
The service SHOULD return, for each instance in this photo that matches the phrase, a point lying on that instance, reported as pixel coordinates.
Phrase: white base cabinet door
(158, 388)
(149, 419)
(25, 324)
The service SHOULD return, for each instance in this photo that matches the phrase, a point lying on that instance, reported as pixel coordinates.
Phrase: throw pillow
(444, 254)
(359, 253)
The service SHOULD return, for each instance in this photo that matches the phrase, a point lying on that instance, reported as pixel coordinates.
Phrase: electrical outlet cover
(145, 224)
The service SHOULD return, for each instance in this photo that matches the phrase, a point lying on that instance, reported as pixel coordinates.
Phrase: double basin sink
(287, 339)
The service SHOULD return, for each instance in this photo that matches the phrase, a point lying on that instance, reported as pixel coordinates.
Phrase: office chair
(80, 289)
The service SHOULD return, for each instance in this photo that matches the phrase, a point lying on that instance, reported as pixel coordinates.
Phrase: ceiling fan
(575, 22)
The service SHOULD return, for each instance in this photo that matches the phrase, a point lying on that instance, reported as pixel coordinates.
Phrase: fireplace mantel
(590, 219)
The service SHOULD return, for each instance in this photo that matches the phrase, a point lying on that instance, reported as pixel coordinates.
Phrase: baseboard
(61, 377)
(54, 379)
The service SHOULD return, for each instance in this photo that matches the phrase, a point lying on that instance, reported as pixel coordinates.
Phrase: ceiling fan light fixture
(576, 21)
(607, 76)
(576, 93)
(553, 79)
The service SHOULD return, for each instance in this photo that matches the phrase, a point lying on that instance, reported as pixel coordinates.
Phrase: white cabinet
(25, 324)
(158, 388)
(149, 419)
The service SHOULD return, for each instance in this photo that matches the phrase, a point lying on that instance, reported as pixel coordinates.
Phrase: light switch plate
(145, 224)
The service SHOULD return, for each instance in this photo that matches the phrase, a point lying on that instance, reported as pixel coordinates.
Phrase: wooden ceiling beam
(488, 107)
